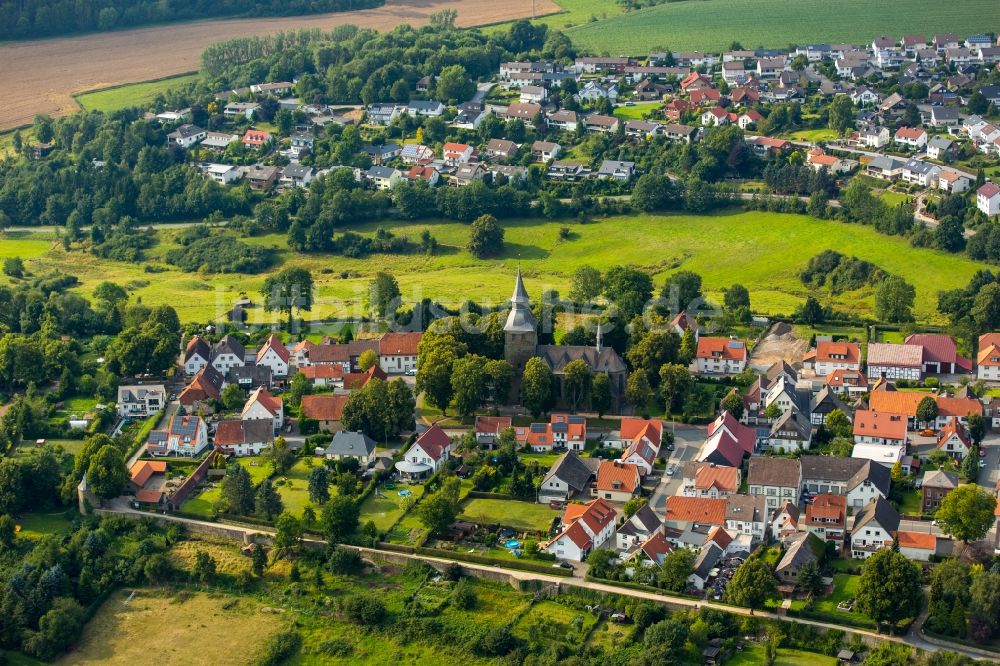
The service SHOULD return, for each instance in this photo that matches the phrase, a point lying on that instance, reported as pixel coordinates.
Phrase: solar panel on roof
(538, 427)
(736, 344)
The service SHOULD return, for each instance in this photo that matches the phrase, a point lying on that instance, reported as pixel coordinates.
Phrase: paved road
(687, 440)
(912, 639)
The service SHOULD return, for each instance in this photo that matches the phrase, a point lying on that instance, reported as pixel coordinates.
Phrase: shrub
(367, 611)
(280, 648)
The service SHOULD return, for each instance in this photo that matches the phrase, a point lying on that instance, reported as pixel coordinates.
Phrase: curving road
(42, 76)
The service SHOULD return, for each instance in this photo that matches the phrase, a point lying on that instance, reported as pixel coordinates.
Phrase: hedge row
(476, 494)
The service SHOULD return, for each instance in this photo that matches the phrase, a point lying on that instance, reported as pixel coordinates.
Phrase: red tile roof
(905, 402)
(399, 344)
(148, 496)
(266, 400)
(725, 348)
(880, 424)
(633, 428)
(920, 540)
(989, 190)
(273, 342)
(434, 441)
(325, 371)
(838, 352)
(843, 377)
(597, 515)
(323, 407)
(937, 348)
(142, 470)
(721, 477)
(492, 424)
(953, 427)
(827, 507)
(910, 133)
(615, 476)
(696, 509)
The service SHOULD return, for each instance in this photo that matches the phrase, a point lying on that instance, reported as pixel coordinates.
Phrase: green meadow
(763, 251)
(133, 94)
(712, 25)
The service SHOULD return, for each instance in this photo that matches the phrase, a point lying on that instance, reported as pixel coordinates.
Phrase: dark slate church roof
(604, 360)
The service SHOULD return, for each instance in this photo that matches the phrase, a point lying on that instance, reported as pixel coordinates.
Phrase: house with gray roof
(141, 401)
(350, 444)
(800, 549)
(860, 480)
(704, 564)
(568, 478)
(873, 528)
(779, 480)
(825, 402)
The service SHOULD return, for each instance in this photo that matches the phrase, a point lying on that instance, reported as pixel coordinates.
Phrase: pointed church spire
(520, 296)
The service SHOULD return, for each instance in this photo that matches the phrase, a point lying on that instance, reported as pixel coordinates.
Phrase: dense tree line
(840, 273)
(30, 19)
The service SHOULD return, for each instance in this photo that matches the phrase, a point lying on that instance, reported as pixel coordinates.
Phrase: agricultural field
(135, 94)
(712, 25)
(521, 516)
(69, 66)
(178, 628)
(746, 247)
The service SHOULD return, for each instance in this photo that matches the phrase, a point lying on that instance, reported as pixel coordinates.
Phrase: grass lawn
(182, 629)
(36, 525)
(133, 94)
(522, 516)
(814, 135)
(71, 446)
(845, 587)
(610, 635)
(755, 654)
(386, 508)
(754, 245)
(24, 245)
(294, 486)
(712, 25)
(895, 198)
(543, 459)
(555, 622)
(911, 502)
(202, 504)
(638, 111)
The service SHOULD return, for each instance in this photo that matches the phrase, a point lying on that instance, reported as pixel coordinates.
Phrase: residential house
(382, 153)
(533, 94)
(906, 403)
(326, 410)
(935, 486)
(186, 136)
(641, 129)
(457, 153)
(749, 119)
(249, 377)
(686, 511)
(683, 322)
(954, 439)
(720, 356)
(849, 383)
(348, 444)
(599, 123)
(800, 549)
(256, 138)
(873, 528)
(147, 479)
(914, 137)
(245, 109)
(523, 112)
(616, 170)
(562, 431)
(488, 429)
(261, 405)
(918, 172)
(543, 151)
(569, 477)
(728, 442)
(428, 174)
(771, 68)
(138, 402)
(765, 145)
(274, 356)
(917, 546)
(570, 171)
(261, 176)
(826, 517)
(865, 96)
(952, 181)
(383, 178)
(593, 65)
(778, 480)
(641, 453)
(785, 521)
(747, 514)
(675, 109)
(184, 436)
(415, 153)
(940, 148)
(944, 116)
(397, 352)
(649, 91)
(427, 454)
(939, 355)
(466, 174)
(860, 481)
(383, 114)
(894, 361)
(584, 528)
(988, 199)
(883, 428)
(593, 91)
(272, 89)
(790, 432)
(704, 565)
(642, 525)
(501, 149)
(228, 353)
(426, 108)
(825, 402)
(704, 479)
(206, 385)
(734, 72)
(223, 174)
(832, 356)
(874, 137)
(243, 438)
(988, 358)
(617, 481)
(676, 132)
(715, 117)
(563, 119)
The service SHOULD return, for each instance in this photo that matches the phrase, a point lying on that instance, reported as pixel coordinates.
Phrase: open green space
(894, 198)
(574, 13)
(203, 504)
(845, 587)
(815, 135)
(133, 94)
(24, 245)
(525, 516)
(555, 623)
(763, 251)
(294, 486)
(755, 654)
(37, 525)
(386, 506)
(637, 111)
(712, 25)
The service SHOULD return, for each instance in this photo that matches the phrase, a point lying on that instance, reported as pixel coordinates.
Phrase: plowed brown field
(42, 76)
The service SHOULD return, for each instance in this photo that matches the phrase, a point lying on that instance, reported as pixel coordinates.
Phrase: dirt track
(41, 77)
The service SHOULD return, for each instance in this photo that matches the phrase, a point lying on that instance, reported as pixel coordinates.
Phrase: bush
(367, 611)
(220, 254)
(280, 648)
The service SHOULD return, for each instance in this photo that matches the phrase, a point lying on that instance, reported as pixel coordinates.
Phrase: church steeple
(520, 329)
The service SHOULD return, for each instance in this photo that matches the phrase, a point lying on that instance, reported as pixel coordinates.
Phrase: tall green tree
(279, 456)
(682, 290)
(436, 359)
(586, 284)
(288, 531)
(966, 513)
(340, 518)
(107, 474)
(538, 386)
(319, 485)
(752, 585)
(675, 381)
(894, 299)
(499, 378)
(267, 501)
(637, 390)
(600, 394)
(237, 491)
(291, 289)
(927, 410)
(384, 295)
(469, 383)
(485, 237)
(577, 382)
(889, 590)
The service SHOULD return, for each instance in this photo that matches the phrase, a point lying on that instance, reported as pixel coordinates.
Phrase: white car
(671, 469)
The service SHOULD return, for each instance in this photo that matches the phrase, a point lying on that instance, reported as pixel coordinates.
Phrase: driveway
(687, 441)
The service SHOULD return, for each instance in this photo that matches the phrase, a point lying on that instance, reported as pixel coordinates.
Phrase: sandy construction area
(41, 76)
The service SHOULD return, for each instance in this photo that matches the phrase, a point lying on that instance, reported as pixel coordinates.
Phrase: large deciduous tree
(538, 386)
(107, 474)
(966, 513)
(288, 290)
(485, 237)
(889, 590)
(752, 585)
